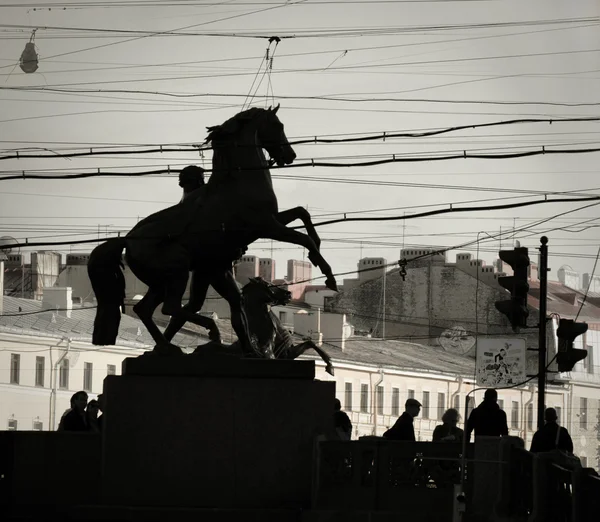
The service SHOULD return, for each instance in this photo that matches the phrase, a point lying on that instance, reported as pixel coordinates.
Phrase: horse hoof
(331, 284)
(330, 370)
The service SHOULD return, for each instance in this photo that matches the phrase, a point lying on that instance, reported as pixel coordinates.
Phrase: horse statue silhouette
(271, 336)
(204, 235)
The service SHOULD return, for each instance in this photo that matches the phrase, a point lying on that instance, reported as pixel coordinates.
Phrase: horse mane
(232, 126)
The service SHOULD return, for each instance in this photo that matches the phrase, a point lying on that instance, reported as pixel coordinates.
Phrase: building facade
(46, 355)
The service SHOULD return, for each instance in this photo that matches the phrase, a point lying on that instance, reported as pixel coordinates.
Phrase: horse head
(266, 128)
(273, 139)
(260, 292)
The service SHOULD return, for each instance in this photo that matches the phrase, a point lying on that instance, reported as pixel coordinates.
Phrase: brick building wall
(434, 297)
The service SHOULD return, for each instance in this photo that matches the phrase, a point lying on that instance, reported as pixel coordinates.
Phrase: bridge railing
(377, 474)
(563, 492)
(586, 494)
(519, 500)
(43, 473)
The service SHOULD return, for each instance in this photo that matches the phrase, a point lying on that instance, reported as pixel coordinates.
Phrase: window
(514, 415)
(590, 359)
(530, 417)
(395, 401)
(558, 413)
(441, 404)
(111, 369)
(380, 391)
(411, 394)
(456, 404)
(40, 370)
(583, 424)
(63, 374)
(364, 398)
(283, 317)
(88, 368)
(425, 404)
(12, 425)
(348, 396)
(15, 368)
(470, 405)
(38, 425)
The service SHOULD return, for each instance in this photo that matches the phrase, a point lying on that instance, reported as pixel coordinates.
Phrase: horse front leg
(273, 229)
(300, 213)
(299, 349)
(287, 216)
(189, 312)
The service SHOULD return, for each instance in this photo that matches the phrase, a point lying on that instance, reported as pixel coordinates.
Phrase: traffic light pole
(543, 275)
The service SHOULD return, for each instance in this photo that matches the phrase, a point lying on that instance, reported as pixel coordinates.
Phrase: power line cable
(163, 32)
(312, 163)
(386, 218)
(372, 137)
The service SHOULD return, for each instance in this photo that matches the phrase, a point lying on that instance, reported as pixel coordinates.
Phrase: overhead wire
(386, 218)
(393, 158)
(156, 33)
(326, 140)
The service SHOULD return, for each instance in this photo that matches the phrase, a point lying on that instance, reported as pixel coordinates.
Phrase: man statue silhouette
(191, 180)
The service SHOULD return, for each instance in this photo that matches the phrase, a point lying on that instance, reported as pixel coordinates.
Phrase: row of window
(63, 372)
(426, 412)
(395, 410)
(13, 425)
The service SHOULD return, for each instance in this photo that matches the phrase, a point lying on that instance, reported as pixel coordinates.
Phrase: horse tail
(108, 282)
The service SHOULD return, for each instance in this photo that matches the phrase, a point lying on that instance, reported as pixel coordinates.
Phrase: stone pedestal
(213, 433)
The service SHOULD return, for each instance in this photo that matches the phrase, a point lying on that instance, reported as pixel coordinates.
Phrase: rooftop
(375, 352)
(565, 301)
(401, 355)
(25, 316)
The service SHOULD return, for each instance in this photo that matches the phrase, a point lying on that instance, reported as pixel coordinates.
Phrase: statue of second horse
(265, 326)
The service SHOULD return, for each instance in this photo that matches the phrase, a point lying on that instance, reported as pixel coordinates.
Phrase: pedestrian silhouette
(487, 419)
(101, 406)
(448, 431)
(91, 416)
(447, 472)
(551, 436)
(404, 428)
(75, 419)
(342, 423)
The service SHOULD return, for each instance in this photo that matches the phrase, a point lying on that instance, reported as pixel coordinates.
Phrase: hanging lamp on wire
(29, 57)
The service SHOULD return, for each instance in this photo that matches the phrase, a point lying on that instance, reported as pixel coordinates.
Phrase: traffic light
(567, 356)
(515, 308)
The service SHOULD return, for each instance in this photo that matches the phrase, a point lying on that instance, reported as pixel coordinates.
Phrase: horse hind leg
(198, 290)
(145, 309)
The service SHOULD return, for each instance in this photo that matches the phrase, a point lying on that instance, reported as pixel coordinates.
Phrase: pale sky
(542, 53)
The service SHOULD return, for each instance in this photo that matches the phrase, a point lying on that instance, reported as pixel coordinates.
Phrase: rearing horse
(204, 235)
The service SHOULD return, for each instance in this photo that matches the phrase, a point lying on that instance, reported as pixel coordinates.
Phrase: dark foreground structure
(253, 440)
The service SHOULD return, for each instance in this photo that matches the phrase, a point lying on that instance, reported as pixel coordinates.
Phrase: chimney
(319, 340)
(58, 297)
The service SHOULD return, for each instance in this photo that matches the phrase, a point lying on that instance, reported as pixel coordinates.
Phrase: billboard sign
(501, 361)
